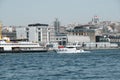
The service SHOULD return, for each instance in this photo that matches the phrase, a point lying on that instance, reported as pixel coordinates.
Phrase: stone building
(83, 33)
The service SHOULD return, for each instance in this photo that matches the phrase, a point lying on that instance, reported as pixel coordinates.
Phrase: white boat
(71, 48)
(20, 47)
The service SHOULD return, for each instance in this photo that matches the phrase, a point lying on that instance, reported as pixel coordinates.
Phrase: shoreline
(99, 48)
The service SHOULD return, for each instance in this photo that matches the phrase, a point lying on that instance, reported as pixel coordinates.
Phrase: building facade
(21, 32)
(41, 33)
(82, 33)
(112, 38)
(38, 33)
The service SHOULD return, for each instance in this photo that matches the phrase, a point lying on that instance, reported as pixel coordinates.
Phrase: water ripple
(97, 65)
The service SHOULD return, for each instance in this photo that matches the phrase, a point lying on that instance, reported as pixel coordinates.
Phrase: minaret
(56, 26)
(96, 19)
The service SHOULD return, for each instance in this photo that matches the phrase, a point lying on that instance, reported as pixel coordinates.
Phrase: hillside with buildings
(93, 31)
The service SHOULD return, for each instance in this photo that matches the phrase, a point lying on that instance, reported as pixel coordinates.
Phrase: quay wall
(100, 45)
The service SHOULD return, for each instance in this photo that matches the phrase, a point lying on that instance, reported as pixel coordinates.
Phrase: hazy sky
(23, 12)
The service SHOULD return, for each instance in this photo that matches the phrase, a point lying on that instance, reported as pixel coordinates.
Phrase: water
(97, 65)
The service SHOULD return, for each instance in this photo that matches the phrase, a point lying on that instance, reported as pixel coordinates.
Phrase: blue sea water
(96, 65)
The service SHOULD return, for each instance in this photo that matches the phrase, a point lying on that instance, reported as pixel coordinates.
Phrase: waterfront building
(38, 33)
(83, 33)
(109, 37)
(42, 33)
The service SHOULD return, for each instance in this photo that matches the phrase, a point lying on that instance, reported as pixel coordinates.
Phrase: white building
(41, 33)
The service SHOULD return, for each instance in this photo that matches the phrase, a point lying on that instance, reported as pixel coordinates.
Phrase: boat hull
(23, 51)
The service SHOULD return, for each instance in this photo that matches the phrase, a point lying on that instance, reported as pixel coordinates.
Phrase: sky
(24, 12)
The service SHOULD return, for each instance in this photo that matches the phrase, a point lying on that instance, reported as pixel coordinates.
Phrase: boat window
(78, 48)
(74, 43)
(70, 47)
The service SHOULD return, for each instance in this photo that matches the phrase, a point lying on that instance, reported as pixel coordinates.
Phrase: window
(39, 28)
(27, 29)
(27, 34)
(76, 33)
(39, 36)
